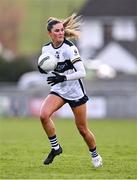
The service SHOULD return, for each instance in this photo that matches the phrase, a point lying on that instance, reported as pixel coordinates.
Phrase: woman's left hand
(52, 80)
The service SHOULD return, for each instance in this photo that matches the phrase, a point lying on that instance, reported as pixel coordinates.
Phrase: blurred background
(108, 48)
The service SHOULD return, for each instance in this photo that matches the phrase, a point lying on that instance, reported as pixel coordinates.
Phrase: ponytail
(71, 25)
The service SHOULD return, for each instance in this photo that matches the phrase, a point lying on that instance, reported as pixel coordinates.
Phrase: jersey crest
(57, 54)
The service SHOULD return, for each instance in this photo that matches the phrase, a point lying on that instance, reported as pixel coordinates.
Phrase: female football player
(66, 85)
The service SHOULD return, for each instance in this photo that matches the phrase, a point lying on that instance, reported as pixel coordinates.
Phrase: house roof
(109, 8)
(130, 46)
(117, 57)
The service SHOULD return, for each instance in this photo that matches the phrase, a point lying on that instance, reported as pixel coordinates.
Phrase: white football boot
(97, 161)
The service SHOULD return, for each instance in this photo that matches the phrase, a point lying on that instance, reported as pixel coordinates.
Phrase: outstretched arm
(78, 74)
(80, 71)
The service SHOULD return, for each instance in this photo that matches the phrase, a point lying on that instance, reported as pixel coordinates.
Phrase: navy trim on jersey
(64, 66)
(81, 84)
(47, 44)
(65, 41)
(76, 60)
(58, 46)
(68, 42)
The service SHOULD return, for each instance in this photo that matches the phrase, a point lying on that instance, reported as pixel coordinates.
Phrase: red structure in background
(11, 16)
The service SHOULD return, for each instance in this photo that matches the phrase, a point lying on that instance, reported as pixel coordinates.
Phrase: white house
(110, 32)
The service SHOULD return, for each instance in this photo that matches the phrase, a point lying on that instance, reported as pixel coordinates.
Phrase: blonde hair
(71, 25)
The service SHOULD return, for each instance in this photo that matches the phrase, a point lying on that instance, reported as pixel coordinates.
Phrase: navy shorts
(73, 103)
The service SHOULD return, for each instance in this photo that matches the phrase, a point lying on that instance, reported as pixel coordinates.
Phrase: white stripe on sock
(54, 143)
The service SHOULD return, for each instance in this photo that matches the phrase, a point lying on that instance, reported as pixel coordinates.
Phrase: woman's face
(57, 33)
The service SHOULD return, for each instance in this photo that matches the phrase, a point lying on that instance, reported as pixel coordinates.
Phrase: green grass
(24, 145)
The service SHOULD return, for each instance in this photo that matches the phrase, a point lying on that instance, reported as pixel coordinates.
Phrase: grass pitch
(23, 147)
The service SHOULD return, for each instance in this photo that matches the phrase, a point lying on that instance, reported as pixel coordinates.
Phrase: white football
(47, 62)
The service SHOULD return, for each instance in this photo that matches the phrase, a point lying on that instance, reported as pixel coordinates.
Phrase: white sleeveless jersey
(67, 54)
